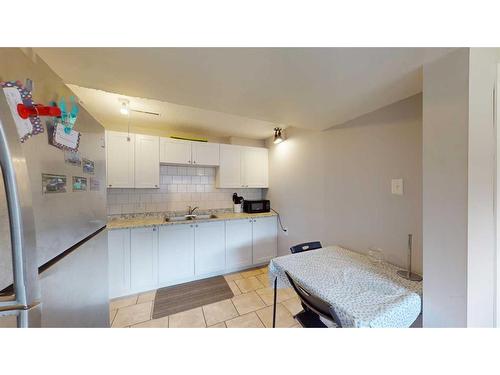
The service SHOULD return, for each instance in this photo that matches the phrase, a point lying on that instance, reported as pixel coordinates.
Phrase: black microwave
(257, 206)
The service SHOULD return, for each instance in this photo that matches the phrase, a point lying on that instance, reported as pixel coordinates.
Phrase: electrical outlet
(397, 186)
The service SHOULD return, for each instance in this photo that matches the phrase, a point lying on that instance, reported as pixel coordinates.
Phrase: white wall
(458, 199)
(167, 131)
(445, 133)
(163, 131)
(247, 142)
(362, 157)
(297, 187)
(334, 185)
(481, 268)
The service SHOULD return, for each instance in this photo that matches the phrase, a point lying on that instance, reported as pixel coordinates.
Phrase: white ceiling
(177, 119)
(313, 88)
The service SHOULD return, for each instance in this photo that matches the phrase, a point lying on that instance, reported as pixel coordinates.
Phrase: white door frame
(496, 117)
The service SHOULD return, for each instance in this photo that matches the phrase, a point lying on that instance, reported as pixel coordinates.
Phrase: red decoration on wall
(37, 110)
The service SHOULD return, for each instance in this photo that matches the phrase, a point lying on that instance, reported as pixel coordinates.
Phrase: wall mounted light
(278, 138)
(124, 107)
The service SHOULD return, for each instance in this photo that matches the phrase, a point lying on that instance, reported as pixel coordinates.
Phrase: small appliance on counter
(256, 206)
(237, 203)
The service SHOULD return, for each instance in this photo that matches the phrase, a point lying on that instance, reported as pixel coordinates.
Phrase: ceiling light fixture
(278, 138)
(124, 108)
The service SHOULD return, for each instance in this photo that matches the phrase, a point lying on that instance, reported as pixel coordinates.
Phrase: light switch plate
(397, 186)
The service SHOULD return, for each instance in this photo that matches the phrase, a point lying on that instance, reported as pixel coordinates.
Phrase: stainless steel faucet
(191, 211)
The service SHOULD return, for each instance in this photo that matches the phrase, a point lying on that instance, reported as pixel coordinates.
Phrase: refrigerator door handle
(20, 212)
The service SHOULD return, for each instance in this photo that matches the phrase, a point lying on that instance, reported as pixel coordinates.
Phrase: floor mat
(183, 297)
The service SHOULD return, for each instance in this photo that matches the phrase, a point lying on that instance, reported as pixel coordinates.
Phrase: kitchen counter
(149, 221)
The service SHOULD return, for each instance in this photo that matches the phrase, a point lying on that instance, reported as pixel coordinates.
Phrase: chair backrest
(305, 247)
(313, 302)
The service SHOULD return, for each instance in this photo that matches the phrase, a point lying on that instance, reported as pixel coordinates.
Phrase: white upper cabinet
(120, 159)
(229, 173)
(133, 161)
(147, 161)
(178, 151)
(175, 151)
(243, 167)
(254, 167)
(204, 153)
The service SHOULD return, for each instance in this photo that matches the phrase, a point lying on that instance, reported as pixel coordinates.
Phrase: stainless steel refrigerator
(53, 240)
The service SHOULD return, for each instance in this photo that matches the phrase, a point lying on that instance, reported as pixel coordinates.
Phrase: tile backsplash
(180, 187)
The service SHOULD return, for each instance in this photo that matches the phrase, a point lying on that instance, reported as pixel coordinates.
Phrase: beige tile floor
(251, 307)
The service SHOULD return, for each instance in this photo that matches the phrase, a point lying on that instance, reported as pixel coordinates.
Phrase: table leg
(274, 304)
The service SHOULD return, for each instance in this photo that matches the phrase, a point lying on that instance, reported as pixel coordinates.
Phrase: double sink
(190, 217)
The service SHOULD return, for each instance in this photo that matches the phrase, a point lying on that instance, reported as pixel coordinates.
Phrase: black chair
(306, 246)
(314, 307)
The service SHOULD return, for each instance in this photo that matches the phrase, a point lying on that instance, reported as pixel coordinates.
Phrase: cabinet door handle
(110, 185)
(154, 229)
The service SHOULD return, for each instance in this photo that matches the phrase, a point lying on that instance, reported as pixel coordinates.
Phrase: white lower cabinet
(175, 253)
(119, 262)
(238, 243)
(209, 248)
(265, 234)
(143, 258)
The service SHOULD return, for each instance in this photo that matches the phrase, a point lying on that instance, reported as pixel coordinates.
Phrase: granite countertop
(149, 221)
